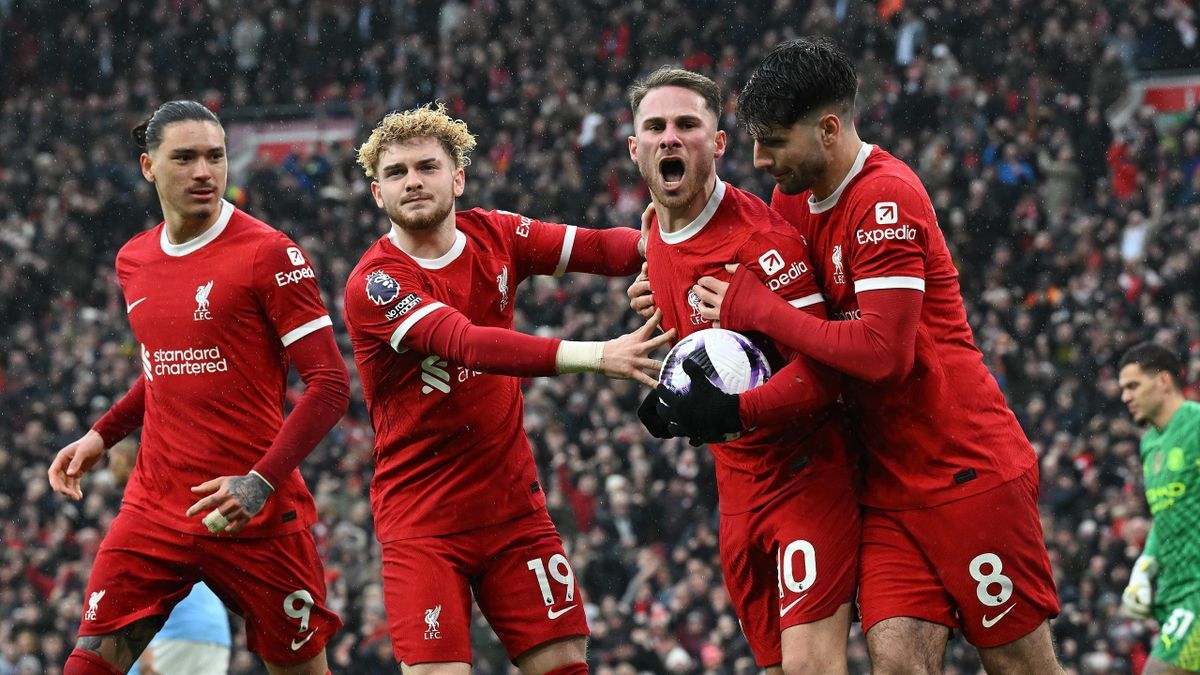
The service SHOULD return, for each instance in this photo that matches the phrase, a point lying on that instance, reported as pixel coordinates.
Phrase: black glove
(704, 413)
(651, 412)
(648, 414)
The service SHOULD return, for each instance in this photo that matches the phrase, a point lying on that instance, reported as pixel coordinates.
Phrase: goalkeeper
(1165, 581)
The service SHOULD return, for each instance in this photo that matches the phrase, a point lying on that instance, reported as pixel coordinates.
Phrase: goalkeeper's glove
(1138, 597)
(704, 413)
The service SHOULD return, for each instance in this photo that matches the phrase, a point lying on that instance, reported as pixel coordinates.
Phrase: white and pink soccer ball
(731, 361)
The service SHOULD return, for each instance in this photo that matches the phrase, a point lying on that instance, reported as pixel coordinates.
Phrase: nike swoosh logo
(553, 614)
(988, 623)
(298, 645)
(785, 610)
(129, 308)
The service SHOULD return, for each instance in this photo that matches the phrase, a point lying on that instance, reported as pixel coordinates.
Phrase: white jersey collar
(206, 237)
(831, 201)
(693, 228)
(456, 249)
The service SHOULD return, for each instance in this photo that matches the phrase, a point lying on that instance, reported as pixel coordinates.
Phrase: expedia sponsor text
(902, 233)
(789, 275)
(294, 276)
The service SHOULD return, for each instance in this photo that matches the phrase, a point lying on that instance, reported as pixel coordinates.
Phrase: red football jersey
(213, 316)
(736, 226)
(450, 447)
(945, 431)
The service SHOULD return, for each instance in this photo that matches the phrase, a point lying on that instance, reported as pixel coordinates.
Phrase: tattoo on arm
(250, 491)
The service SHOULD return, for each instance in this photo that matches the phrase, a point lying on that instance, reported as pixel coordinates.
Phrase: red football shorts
(517, 572)
(277, 584)
(792, 561)
(978, 564)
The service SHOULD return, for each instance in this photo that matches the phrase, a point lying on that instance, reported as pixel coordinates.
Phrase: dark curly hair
(796, 78)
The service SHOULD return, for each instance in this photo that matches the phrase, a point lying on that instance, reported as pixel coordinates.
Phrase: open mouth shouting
(671, 169)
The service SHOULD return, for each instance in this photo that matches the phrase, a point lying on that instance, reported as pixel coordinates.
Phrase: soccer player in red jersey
(458, 506)
(789, 530)
(951, 533)
(221, 304)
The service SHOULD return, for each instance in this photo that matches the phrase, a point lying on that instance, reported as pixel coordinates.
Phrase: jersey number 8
(993, 577)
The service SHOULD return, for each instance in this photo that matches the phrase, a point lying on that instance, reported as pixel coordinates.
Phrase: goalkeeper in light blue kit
(1165, 581)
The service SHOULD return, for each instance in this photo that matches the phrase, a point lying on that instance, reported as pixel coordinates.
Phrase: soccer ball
(731, 361)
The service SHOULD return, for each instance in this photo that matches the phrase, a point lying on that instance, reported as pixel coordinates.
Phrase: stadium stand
(1074, 240)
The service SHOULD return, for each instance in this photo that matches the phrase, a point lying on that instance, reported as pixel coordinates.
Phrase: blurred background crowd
(1074, 239)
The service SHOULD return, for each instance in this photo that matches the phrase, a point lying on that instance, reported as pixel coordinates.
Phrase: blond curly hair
(427, 121)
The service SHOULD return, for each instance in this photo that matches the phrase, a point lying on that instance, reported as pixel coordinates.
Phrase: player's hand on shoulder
(641, 298)
(628, 357)
(232, 501)
(73, 461)
(1138, 598)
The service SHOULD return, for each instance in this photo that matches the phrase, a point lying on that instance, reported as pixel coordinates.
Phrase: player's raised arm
(613, 252)
(552, 248)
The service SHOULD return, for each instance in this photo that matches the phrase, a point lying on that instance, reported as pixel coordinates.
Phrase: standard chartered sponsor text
(190, 361)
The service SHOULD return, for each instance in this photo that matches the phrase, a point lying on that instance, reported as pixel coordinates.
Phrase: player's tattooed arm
(251, 491)
(232, 501)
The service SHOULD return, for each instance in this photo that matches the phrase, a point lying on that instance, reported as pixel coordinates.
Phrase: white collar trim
(831, 201)
(693, 228)
(206, 237)
(456, 249)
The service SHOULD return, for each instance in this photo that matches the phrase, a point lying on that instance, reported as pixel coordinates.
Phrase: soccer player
(1165, 581)
(945, 454)
(789, 530)
(221, 304)
(458, 506)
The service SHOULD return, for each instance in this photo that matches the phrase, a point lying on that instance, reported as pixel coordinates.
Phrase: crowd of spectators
(1073, 240)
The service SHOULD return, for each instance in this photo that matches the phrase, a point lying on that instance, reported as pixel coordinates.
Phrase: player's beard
(804, 174)
(427, 219)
